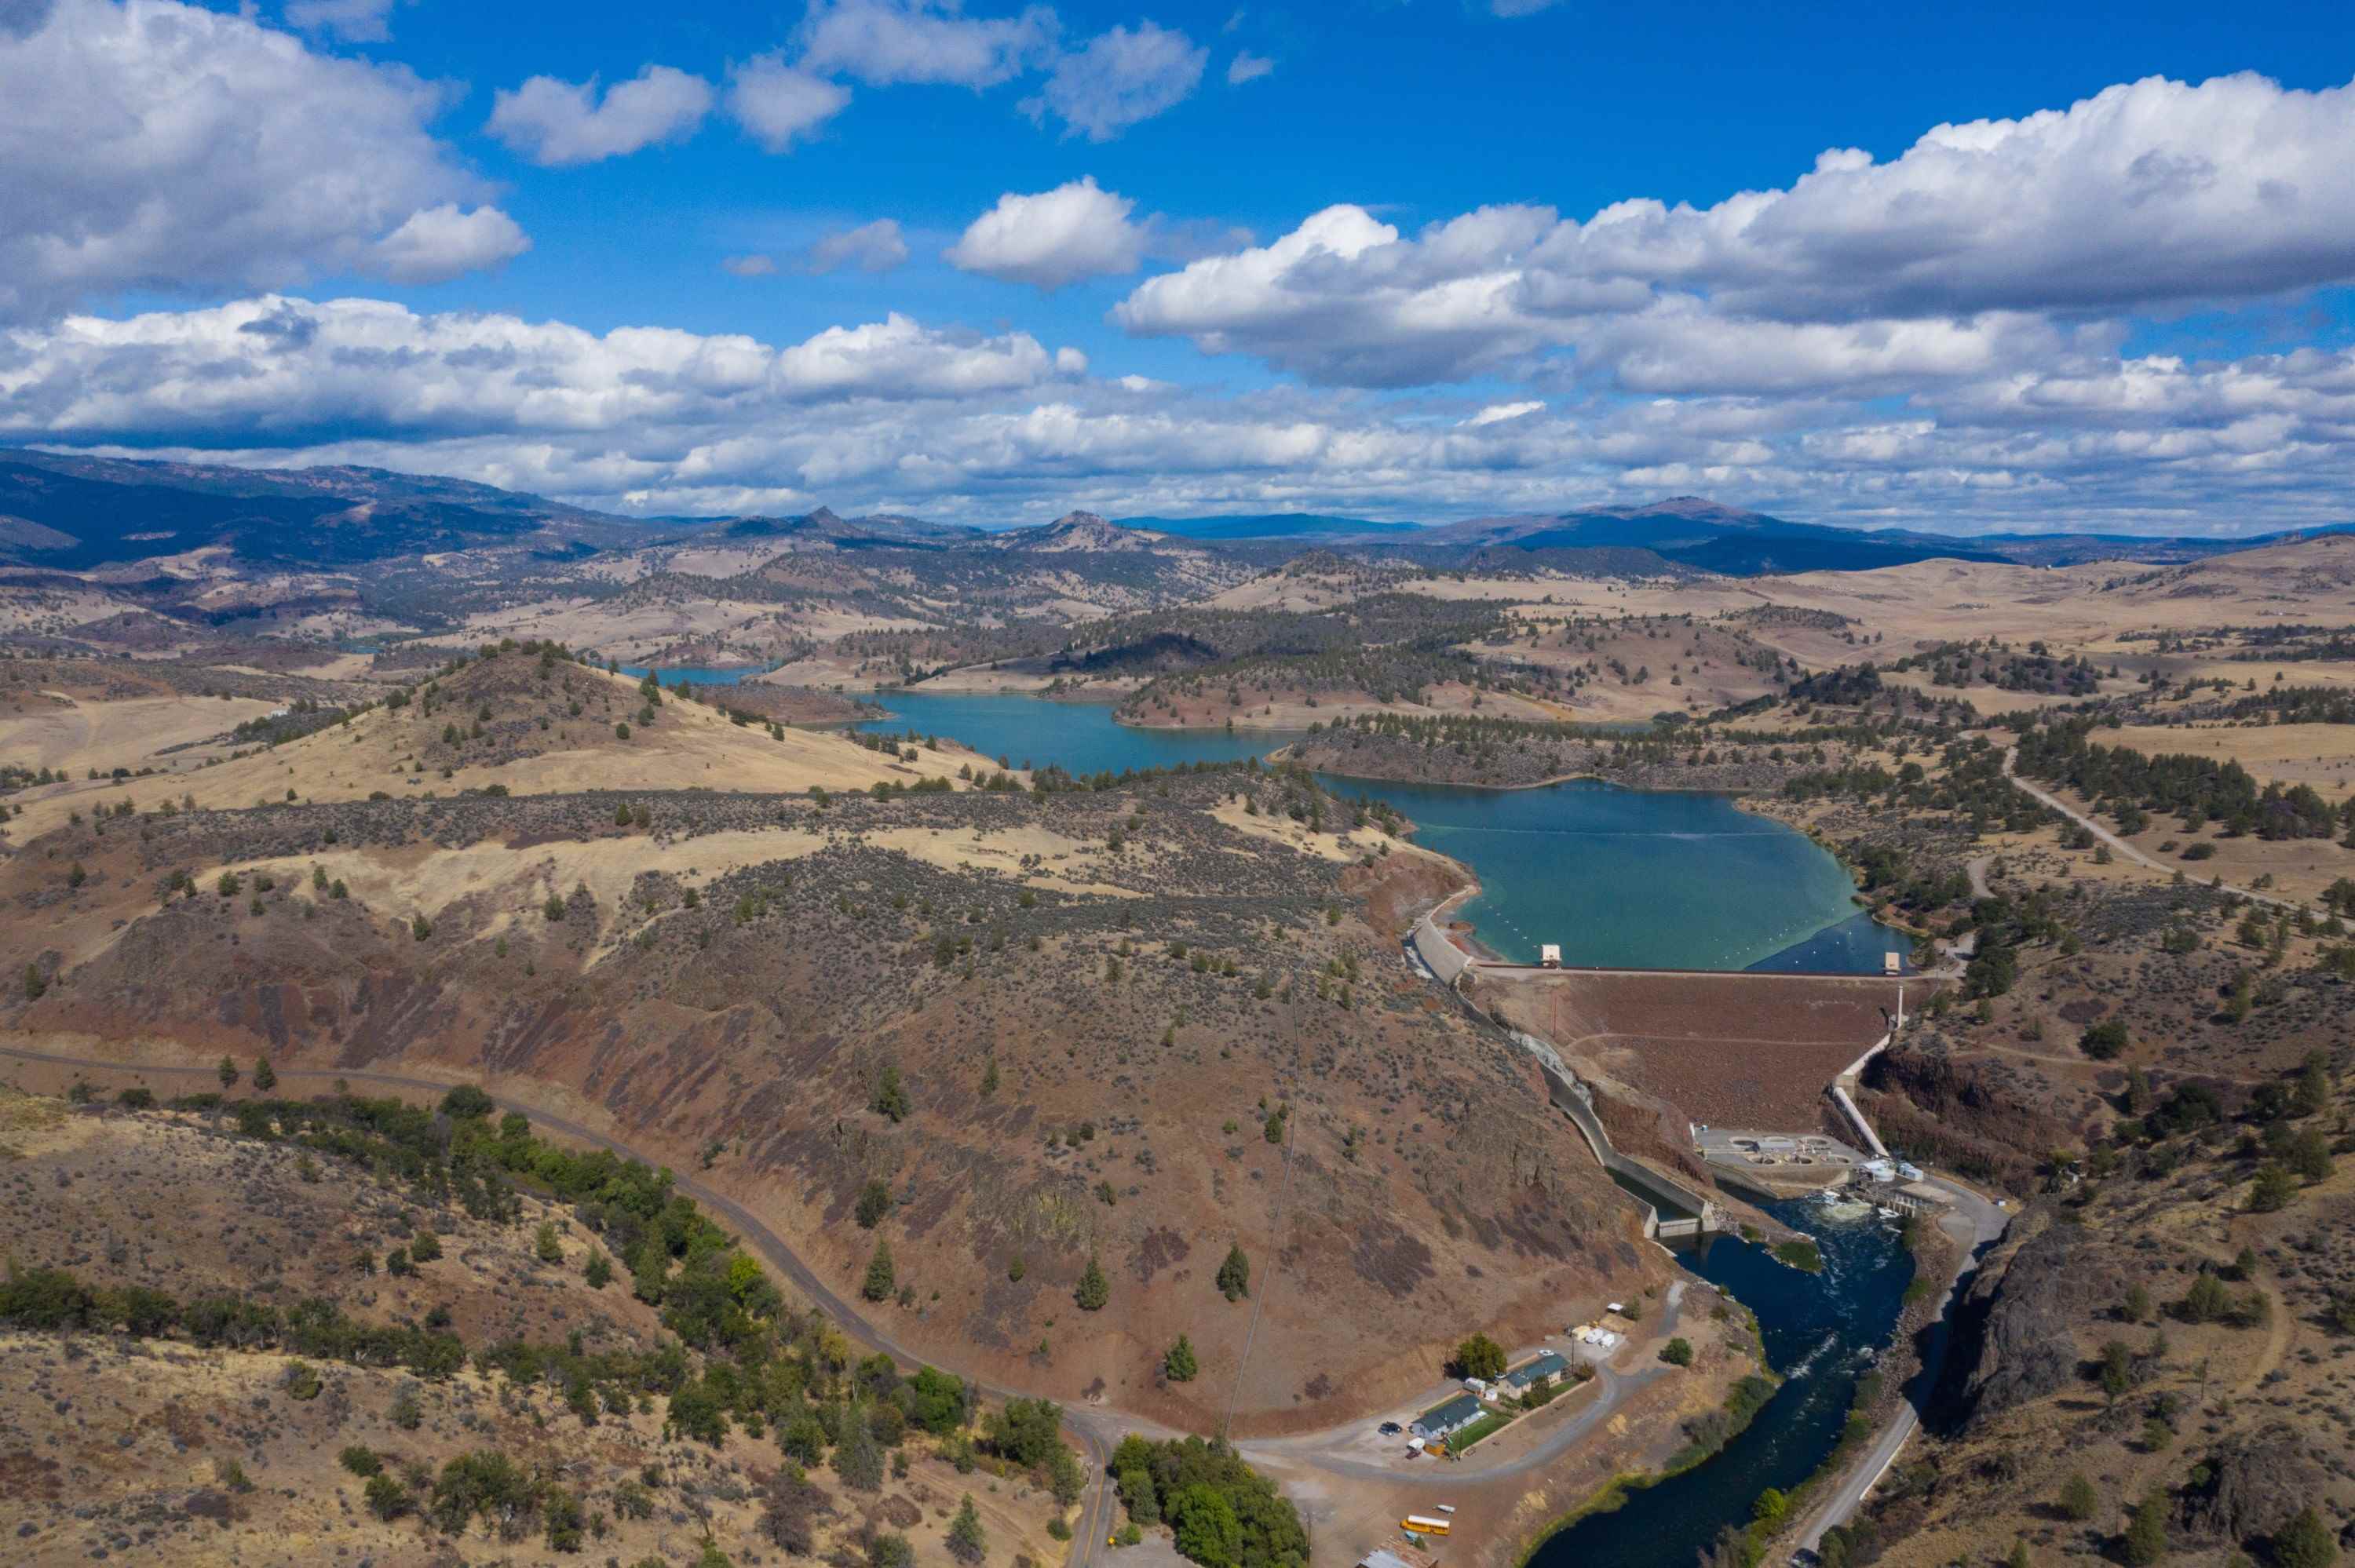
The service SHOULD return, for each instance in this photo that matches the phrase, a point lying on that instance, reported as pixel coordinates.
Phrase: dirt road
(2045, 796)
(1095, 1429)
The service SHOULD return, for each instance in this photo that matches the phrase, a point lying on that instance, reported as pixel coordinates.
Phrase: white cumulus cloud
(2146, 196)
(442, 242)
(1053, 237)
(156, 146)
(1247, 66)
(887, 42)
(276, 364)
(779, 104)
(558, 122)
(1123, 76)
(876, 246)
(358, 21)
(1497, 412)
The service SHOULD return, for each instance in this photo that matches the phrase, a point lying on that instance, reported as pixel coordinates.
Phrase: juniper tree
(1093, 1290)
(1180, 1365)
(968, 1542)
(1234, 1274)
(877, 1287)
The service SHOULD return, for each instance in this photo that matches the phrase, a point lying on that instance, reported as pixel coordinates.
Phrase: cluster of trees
(56, 1299)
(2196, 790)
(2009, 669)
(741, 1357)
(1969, 783)
(2297, 705)
(1391, 646)
(1223, 1513)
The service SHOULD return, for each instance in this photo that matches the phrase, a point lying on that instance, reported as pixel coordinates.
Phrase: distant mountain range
(75, 513)
(1272, 526)
(882, 528)
(78, 512)
(1704, 535)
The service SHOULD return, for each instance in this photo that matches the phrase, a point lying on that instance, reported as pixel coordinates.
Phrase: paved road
(1095, 1429)
(1314, 1448)
(2045, 797)
(1974, 1223)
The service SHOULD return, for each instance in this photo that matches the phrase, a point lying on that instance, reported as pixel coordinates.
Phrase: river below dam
(1821, 1332)
(1617, 877)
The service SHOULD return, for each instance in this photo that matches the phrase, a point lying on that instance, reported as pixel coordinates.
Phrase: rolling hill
(1273, 526)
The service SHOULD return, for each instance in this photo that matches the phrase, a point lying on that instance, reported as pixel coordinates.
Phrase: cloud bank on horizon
(258, 241)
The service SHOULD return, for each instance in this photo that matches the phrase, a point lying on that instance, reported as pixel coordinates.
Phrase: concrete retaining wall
(1443, 958)
(1687, 1212)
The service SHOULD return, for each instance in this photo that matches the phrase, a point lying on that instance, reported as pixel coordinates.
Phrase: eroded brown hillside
(1140, 1025)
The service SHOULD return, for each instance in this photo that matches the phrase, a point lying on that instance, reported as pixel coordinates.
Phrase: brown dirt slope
(155, 1450)
(1147, 1008)
(526, 726)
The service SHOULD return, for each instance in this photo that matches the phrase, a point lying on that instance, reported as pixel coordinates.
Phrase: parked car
(1391, 1429)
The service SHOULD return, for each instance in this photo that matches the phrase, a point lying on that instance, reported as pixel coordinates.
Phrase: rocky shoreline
(1532, 764)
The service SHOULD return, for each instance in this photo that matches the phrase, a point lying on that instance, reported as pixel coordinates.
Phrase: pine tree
(265, 1077)
(2272, 1190)
(228, 1073)
(2146, 1532)
(1234, 1275)
(1093, 1290)
(890, 1095)
(880, 1277)
(2305, 1542)
(1179, 1365)
(968, 1542)
(2078, 1499)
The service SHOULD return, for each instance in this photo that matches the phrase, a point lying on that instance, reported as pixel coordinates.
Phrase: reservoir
(693, 674)
(1617, 877)
(1633, 879)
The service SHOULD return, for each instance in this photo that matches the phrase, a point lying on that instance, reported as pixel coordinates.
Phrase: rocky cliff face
(2013, 1332)
(2257, 1482)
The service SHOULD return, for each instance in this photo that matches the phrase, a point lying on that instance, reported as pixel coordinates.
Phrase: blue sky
(1386, 258)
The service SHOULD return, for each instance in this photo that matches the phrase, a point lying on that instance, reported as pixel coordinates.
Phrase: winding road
(2046, 798)
(1096, 1429)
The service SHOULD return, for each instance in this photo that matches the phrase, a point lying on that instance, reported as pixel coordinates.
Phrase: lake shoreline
(1617, 871)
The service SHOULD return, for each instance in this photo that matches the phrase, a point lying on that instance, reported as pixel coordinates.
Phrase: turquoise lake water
(1618, 877)
(693, 674)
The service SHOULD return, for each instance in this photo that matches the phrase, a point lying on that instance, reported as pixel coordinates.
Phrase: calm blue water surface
(1618, 877)
(693, 674)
